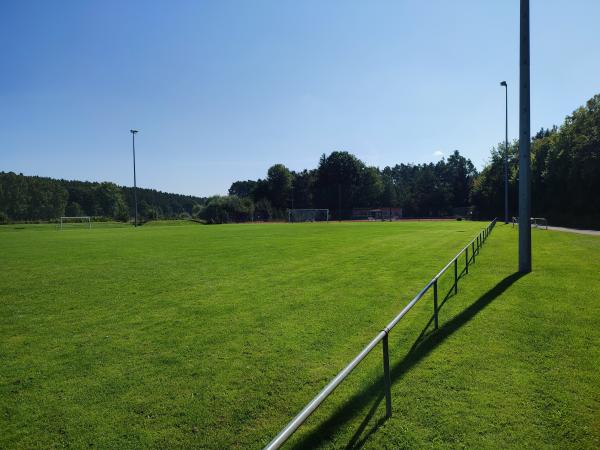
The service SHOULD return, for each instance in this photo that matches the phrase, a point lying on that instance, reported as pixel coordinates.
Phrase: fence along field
(475, 245)
(171, 336)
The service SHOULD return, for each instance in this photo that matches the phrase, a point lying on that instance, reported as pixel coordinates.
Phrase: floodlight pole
(133, 132)
(340, 202)
(505, 152)
(524, 145)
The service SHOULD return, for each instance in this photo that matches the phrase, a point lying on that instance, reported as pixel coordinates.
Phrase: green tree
(459, 173)
(303, 185)
(263, 210)
(487, 192)
(370, 189)
(14, 199)
(338, 182)
(197, 210)
(279, 180)
(109, 201)
(243, 189)
(73, 209)
(225, 209)
(389, 196)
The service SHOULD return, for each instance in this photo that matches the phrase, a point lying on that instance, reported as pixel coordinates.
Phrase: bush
(263, 209)
(225, 209)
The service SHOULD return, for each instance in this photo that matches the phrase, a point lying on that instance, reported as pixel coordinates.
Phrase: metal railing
(535, 221)
(382, 337)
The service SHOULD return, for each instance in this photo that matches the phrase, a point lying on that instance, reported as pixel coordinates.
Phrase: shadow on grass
(374, 393)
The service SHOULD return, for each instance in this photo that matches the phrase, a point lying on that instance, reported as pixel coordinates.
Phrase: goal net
(308, 215)
(75, 222)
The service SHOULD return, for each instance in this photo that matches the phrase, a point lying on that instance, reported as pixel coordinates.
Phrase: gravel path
(576, 230)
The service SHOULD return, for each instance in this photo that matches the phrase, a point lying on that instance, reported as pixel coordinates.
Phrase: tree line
(33, 198)
(342, 182)
(565, 173)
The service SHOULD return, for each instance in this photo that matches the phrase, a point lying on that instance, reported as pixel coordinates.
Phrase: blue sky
(221, 90)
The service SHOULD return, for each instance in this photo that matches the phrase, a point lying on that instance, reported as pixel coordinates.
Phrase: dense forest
(342, 182)
(31, 198)
(565, 164)
(565, 172)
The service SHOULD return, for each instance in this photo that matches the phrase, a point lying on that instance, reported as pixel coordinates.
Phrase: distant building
(381, 213)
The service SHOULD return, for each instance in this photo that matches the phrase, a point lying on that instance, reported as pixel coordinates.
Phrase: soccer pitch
(216, 336)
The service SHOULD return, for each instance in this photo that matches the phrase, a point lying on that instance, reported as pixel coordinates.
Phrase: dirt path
(576, 230)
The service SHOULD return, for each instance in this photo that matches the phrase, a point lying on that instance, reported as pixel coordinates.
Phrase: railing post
(456, 275)
(386, 377)
(301, 417)
(435, 304)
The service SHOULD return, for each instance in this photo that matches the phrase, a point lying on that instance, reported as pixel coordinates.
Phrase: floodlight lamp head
(503, 83)
(133, 131)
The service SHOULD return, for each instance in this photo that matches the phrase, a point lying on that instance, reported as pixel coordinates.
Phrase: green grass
(215, 336)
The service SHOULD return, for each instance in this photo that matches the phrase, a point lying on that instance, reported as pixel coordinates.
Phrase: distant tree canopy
(565, 163)
(342, 182)
(30, 198)
(565, 172)
(23, 198)
(225, 209)
(242, 189)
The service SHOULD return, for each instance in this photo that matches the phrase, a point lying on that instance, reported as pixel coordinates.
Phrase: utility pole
(133, 132)
(505, 153)
(339, 201)
(524, 145)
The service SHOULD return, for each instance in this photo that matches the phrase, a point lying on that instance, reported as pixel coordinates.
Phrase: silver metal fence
(537, 222)
(382, 337)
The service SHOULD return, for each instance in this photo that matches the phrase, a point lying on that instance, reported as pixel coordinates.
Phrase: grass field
(215, 336)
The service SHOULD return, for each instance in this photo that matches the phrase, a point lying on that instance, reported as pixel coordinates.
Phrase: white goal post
(308, 215)
(86, 220)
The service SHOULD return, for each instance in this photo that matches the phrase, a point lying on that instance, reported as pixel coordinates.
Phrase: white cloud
(438, 153)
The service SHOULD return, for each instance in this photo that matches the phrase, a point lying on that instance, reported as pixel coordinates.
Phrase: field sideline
(215, 336)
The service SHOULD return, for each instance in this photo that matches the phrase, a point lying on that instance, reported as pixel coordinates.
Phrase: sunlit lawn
(215, 336)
